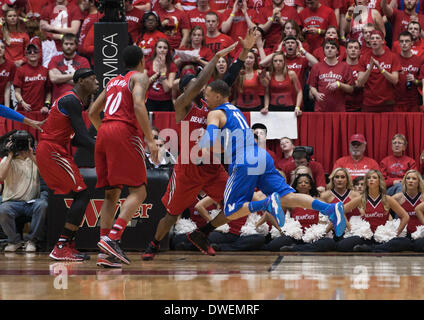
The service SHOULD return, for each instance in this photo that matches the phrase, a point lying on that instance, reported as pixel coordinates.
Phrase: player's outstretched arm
(183, 102)
(96, 108)
(139, 84)
(11, 114)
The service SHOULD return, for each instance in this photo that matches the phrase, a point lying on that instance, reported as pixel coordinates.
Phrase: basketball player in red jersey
(56, 164)
(119, 153)
(188, 179)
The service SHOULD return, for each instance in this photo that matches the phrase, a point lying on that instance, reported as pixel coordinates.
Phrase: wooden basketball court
(175, 275)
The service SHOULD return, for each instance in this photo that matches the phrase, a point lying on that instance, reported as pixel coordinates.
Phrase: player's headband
(82, 74)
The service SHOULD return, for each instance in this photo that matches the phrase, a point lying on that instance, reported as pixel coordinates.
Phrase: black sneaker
(150, 252)
(112, 247)
(108, 261)
(201, 242)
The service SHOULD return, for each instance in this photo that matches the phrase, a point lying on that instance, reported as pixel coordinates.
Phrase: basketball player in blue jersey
(250, 167)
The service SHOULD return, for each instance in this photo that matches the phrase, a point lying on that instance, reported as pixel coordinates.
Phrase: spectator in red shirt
(331, 34)
(261, 131)
(417, 48)
(237, 20)
(31, 83)
(401, 18)
(14, 38)
(356, 163)
(272, 20)
(315, 19)
(302, 158)
(62, 67)
(133, 17)
(330, 80)
(407, 97)
(7, 73)
(379, 74)
(196, 63)
(215, 40)
(143, 5)
(174, 23)
(197, 16)
(161, 72)
(60, 18)
(285, 91)
(93, 16)
(252, 84)
(395, 166)
(354, 99)
(287, 147)
(150, 33)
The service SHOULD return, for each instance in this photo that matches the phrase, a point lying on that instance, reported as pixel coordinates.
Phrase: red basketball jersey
(409, 205)
(375, 213)
(119, 102)
(58, 128)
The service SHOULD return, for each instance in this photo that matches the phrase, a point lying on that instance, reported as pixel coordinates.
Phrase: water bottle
(408, 84)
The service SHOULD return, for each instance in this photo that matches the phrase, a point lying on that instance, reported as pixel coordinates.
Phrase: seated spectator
(22, 195)
(287, 147)
(62, 67)
(395, 166)
(197, 62)
(7, 74)
(14, 37)
(150, 33)
(31, 83)
(306, 217)
(331, 33)
(330, 80)
(215, 40)
(407, 97)
(353, 23)
(133, 16)
(52, 20)
(261, 131)
(161, 72)
(174, 23)
(252, 84)
(283, 86)
(315, 19)
(358, 184)
(379, 73)
(272, 20)
(166, 159)
(340, 189)
(375, 205)
(302, 158)
(354, 99)
(356, 163)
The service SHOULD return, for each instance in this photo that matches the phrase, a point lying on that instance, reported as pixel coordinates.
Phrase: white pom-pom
(225, 228)
(213, 213)
(274, 233)
(184, 226)
(419, 233)
(388, 231)
(292, 228)
(314, 232)
(249, 227)
(358, 227)
(323, 218)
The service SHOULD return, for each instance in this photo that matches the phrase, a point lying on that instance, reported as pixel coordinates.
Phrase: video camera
(19, 139)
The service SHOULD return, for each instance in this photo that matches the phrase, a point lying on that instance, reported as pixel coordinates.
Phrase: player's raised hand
(224, 52)
(33, 123)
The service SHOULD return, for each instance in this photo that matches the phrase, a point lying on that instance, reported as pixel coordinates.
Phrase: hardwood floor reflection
(193, 276)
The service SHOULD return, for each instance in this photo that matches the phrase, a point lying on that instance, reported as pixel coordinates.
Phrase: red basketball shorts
(119, 156)
(58, 169)
(188, 180)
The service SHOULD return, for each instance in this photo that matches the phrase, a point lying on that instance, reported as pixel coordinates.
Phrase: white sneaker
(12, 247)
(30, 246)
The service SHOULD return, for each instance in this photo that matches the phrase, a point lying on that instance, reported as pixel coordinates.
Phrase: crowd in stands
(310, 55)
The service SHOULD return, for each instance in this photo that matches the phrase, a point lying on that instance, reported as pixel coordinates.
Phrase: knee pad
(77, 209)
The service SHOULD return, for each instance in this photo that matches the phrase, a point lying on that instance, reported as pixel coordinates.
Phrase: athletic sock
(260, 205)
(67, 235)
(207, 228)
(117, 229)
(104, 231)
(156, 242)
(319, 205)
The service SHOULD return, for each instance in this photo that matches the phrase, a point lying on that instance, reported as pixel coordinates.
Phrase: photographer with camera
(23, 195)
